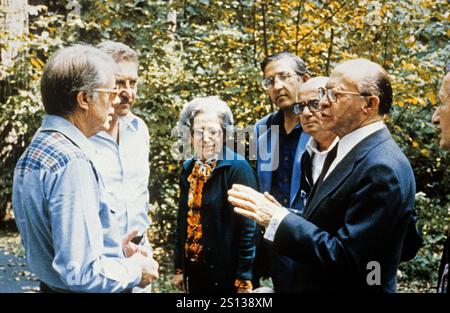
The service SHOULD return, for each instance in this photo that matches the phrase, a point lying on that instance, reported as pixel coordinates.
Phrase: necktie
(306, 182)
(326, 166)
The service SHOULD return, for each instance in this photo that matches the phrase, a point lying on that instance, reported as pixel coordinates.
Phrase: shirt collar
(350, 140)
(311, 146)
(62, 125)
(278, 119)
(130, 120)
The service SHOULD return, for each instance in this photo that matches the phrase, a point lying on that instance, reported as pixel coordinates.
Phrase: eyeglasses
(331, 94)
(212, 133)
(108, 90)
(298, 107)
(112, 92)
(269, 82)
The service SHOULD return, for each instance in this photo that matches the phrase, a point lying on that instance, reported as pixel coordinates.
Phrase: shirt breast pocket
(108, 211)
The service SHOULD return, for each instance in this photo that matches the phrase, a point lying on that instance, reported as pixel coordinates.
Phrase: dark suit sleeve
(179, 246)
(376, 211)
(242, 173)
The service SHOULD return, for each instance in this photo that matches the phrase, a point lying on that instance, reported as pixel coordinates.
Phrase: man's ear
(373, 102)
(305, 77)
(82, 100)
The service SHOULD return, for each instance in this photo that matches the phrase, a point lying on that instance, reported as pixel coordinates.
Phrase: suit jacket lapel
(345, 168)
(296, 169)
(265, 164)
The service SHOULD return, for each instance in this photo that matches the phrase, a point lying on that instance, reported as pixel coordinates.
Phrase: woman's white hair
(211, 104)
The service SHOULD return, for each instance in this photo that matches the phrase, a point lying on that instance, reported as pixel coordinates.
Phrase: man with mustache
(281, 142)
(123, 151)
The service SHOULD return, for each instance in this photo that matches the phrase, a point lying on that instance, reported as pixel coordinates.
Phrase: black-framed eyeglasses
(332, 94)
(269, 82)
(298, 107)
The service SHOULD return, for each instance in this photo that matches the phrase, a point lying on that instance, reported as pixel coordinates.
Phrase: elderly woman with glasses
(215, 247)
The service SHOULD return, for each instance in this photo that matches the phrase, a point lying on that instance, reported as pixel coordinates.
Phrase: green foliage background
(215, 48)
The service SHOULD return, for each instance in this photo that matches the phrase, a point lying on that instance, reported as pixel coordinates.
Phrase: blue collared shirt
(281, 177)
(64, 216)
(125, 170)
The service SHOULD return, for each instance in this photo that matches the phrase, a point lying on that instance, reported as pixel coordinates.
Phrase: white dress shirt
(318, 157)
(346, 144)
(125, 171)
(349, 141)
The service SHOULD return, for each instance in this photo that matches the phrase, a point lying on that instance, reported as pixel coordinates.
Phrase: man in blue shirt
(65, 218)
(281, 143)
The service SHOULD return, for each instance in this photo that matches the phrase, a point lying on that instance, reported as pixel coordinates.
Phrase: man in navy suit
(350, 236)
(281, 142)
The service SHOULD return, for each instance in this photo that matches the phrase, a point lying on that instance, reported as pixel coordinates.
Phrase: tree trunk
(172, 19)
(14, 22)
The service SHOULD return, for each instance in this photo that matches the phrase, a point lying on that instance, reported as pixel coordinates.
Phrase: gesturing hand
(253, 204)
(178, 282)
(149, 271)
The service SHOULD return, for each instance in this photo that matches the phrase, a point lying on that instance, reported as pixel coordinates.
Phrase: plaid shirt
(65, 219)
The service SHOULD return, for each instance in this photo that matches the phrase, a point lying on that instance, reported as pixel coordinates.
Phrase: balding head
(309, 89)
(369, 78)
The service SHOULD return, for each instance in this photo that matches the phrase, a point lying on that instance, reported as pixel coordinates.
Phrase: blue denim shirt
(65, 219)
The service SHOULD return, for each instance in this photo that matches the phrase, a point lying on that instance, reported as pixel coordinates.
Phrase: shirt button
(286, 179)
(215, 284)
(286, 158)
(285, 201)
(212, 266)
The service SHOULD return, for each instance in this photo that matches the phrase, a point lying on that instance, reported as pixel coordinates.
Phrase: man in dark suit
(351, 234)
(321, 145)
(441, 118)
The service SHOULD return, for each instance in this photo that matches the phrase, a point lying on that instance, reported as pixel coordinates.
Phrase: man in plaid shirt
(67, 224)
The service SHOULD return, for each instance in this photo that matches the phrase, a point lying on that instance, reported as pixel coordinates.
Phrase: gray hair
(70, 70)
(299, 66)
(120, 52)
(203, 105)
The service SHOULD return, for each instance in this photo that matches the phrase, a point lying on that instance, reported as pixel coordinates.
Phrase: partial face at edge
(441, 117)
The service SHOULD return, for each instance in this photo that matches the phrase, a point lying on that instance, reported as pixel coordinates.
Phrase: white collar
(130, 120)
(311, 146)
(352, 139)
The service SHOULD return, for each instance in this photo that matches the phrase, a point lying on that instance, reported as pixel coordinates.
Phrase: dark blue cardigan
(228, 238)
